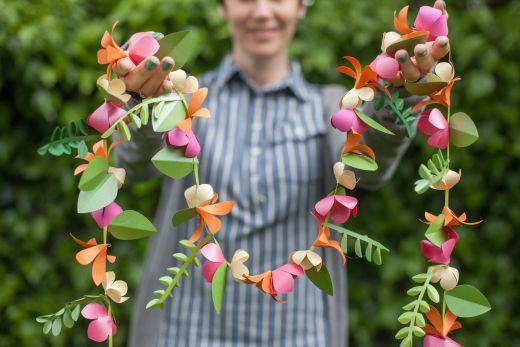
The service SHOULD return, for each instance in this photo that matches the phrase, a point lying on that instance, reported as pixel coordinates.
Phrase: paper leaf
(131, 225)
(408, 43)
(435, 232)
(218, 286)
(168, 116)
(173, 163)
(183, 216)
(467, 301)
(425, 88)
(359, 161)
(94, 174)
(178, 46)
(463, 131)
(101, 196)
(56, 326)
(321, 279)
(372, 123)
(67, 319)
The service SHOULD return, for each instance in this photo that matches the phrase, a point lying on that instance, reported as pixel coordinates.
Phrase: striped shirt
(271, 151)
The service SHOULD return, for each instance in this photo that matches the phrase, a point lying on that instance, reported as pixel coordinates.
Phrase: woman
(268, 147)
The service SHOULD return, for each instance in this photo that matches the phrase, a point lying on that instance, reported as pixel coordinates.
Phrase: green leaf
(377, 256)
(359, 161)
(187, 244)
(154, 303)
(67, 319)
(463, 131)
(407, 342)
(414, 291)
(433, 294)
(95, 173)
(183, 216)
(135, 119)
(144, 114)
(321, 279)
(419, 320)
(401, 334)
(466, 301)
(218, 286)
(418, 332)
(172, 162)
(435, 232)
(101, 196)
(159, 293)
(424, 307)
(410, 306)
(82, 149)
(124, 130)
(180, 257)
(169, 116)
(131, 225)
(47, 327)
(344, 243)
(368, 252)
(75, 312)
(178, 46)
(405, 317)
(357, 248)
(421, 186)
(56, 326)
(43, 319)
(420, 278)
(372, 123)
(173, 270)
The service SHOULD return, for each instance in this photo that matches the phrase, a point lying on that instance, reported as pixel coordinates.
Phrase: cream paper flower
(449, 180)
(119, 173)
(447, 276)
(307, 259)
(115, 290)
(355, 97)
(346, 178)
(445, 71)
(113, 90)
(183, 83)
(238, 269)
(196, 196)
(389, 38)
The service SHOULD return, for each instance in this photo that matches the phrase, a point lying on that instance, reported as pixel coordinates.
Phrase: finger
(441, 5)
(398, 81)
(165, 88)
(124, 66)
(409, 71)
(440, 47)
(135, 79)
(156, 35)
(155, 81)
(423, 58)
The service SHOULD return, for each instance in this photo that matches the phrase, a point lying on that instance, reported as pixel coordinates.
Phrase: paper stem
(416, 309)
(447, 191)
(443, 304)
(400, 116)
(105, 229)
(196, 171)
(110, 331)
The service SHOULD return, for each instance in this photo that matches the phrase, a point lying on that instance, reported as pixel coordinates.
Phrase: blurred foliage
(49, 69)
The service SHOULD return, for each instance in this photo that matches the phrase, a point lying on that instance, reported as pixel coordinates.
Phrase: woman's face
(262, 28)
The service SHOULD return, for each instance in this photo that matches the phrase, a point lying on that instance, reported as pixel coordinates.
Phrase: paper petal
(193, 147)
(432, 20)
(176, 137)
(323, 206)
(283, 282)
(178, 77)
(108, 279)
(435, 341)
(208, 270)
(445, 71)
(93, 311)
(195, 197)
(350, 100)
(106, 214)
(213, 253)
(141, 47)
(99, 329)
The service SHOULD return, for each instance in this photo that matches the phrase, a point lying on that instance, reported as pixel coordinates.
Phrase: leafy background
(48, 64)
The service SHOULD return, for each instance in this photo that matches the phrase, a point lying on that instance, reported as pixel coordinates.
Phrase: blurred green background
(49, 69)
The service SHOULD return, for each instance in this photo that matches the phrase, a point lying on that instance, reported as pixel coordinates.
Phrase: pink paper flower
(433, 123)
(105, 116)
(432, 20)
(104, 215)
(385, 66)
(283, 278)
(101, 324)
(178, 138)
(215, 258)
(142, 45)
(346, 119)
(436, 341)
(339, 206)
(441, 255)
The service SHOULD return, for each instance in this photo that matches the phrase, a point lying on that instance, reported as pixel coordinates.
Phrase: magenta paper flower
(385, 66)
(433, 123)
(282, 279)
(105, 116)
(346, 119)
(178, 138)
(215, 258)
(142, 45)
(436, 341)
(104, 215)
(101, 324)
(432, 20)
(441, 255)
(339, 206)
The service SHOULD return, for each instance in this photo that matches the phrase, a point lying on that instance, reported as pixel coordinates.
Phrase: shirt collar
(294, 81)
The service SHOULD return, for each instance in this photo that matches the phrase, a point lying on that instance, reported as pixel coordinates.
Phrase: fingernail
(444, 44)
(423, 53)
(166, 65)
(155, 33)
(165, 90)
(123, 68)
(150, 64)
(403, 58)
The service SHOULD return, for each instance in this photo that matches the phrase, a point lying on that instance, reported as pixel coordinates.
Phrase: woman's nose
(262, 9)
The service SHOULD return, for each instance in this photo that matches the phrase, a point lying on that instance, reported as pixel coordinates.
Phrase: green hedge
(49, 68)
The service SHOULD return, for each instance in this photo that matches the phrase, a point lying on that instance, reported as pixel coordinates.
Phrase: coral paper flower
(439, 329)
(352, 145)
(115, 290)
(346, 120)
(104, 215)
(346, 178)
(279, 281)
(96, 253)
(433, 123)
(142, 45)
(441, 255)
(178, 138)
(111, 52)
(215, 258)
(432, 20)
(99, 149)
(194, 109)
(323, 240)
(105, 116)
(385, 66)
(450, 218)
(339, 207)
(102, 323)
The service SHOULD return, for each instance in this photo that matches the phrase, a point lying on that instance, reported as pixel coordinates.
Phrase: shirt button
(299, 132)
(255, 151)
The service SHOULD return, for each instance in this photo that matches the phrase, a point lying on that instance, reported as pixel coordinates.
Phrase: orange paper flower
(208, 212)
(352, 145)
(194, 109)
(111, 52)
(96, 253)
(323, 240)
(99, 149)
(442, 97)
(441, 327)
(450, 218)
(365, 77)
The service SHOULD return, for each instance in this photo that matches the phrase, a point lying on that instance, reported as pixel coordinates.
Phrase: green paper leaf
(466, 301)
(433, 294)
(101, 196)
(414, 291)
(178, 46)
(47, 327)
(377, 257)
(135, 119)
(82, 149)
(401, 334)
(169, 116)
(180, 257)
(407, 342)
(131, 225)
(419, 320)
(406, 317)
(420, 278)
(124, 130)
(67, 319)
(75, 312)
(344, 243)
(408, 44)
(357, 248)
(372, 123)
(435, 232)
(218, 286)
(144, 114)
(153, 303)
(418, 332)
(463, 131)
(321, 279)
(183, 216)
(56, 326)
(359, 161)
(368, 252)
(410, 306)
(95, 173)
(172, 162)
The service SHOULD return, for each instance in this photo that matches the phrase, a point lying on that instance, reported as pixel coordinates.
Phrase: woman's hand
(149, 78)
(425, 56)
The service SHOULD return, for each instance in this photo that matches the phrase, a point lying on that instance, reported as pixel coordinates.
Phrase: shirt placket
(256, 154)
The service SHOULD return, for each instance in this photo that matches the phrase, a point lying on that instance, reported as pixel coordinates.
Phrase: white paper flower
(354, 97)
(346, 178)
(195, 197)
(449, 180)
(115, 290)
(389, 38)
(306, 259)
(119, 173)
(445, 71)
(183, 83)
(238, 269)
(447, 276)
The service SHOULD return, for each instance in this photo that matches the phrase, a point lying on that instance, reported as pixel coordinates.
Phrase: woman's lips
(262, 34)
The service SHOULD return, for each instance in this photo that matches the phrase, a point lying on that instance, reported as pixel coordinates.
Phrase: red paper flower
(441, 255)
(102, 323)
(433, 123)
